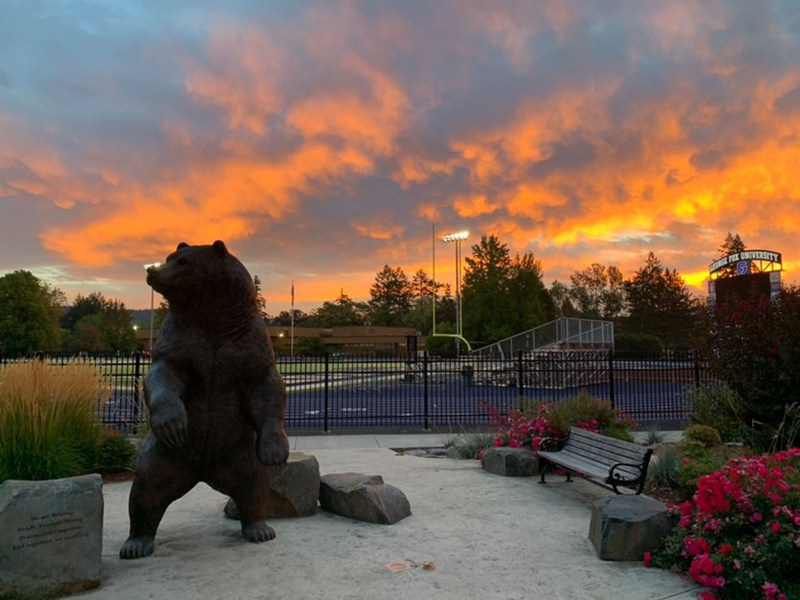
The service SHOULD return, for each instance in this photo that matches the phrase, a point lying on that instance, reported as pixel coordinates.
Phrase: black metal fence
(339, 393)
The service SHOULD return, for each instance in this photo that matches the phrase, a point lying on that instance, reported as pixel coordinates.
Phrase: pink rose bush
(521, 428)
(739, 535)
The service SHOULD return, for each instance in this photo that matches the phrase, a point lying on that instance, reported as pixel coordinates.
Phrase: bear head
(204, 279)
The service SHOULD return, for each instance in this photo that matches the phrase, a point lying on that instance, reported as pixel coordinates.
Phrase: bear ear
(219, 246)
(182, 245)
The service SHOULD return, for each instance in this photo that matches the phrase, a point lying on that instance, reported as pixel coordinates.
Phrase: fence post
(520, 380)
(696, 360)
(611, 377)
(425, 417)
(326, 402)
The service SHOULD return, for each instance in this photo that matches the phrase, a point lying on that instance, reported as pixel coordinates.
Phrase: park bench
(601, 459)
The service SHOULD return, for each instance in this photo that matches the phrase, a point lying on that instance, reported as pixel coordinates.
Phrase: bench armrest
(551, 443)
(614, 478)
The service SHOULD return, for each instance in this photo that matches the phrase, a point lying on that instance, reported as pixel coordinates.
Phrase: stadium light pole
(457, 238)
(152, 304)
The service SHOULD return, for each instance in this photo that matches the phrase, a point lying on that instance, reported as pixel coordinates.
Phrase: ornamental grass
(47, 419)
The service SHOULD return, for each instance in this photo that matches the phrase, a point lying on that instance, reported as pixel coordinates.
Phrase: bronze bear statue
(216, 400)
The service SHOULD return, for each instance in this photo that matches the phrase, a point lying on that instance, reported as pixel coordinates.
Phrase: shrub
(535, 421)
(47, 425)
(739, 535)
(703, 434)
(753, 345)
(698, 460)
(718, 407)
(115, 453)
(638, 343)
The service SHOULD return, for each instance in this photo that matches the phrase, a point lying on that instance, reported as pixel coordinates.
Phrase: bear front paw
(272, 448)
(170, 427)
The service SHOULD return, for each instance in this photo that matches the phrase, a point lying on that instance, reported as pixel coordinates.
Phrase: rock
(51, 536)
(510, 462)
(625, 527)
(294, 489)
(363, 498)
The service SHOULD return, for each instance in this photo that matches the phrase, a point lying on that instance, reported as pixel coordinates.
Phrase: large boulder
(510, 462)
(362, 497)
(294, 489)
(625, 527)
(51, 536)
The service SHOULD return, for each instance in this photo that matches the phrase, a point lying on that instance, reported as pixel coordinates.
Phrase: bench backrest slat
(597, 448)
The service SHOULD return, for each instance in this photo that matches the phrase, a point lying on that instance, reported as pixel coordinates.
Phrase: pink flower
(647, 558)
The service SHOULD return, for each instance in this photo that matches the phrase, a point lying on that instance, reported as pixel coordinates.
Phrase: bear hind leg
(158, 483)
(246, 481)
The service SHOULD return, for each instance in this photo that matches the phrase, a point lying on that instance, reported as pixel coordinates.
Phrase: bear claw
(138, 547)
(258, 532)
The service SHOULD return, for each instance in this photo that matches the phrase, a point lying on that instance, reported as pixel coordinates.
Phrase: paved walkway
(480, 535)
(310, 443)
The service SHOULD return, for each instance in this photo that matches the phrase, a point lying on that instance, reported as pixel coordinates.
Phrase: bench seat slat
(594, 456)
(586, 467)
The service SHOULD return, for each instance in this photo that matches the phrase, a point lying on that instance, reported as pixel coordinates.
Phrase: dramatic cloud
(322, 140)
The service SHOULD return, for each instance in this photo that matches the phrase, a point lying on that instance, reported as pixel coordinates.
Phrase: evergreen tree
(660, 304)
(261, 302)
(733, 243)
(391, 297)
(501, 296)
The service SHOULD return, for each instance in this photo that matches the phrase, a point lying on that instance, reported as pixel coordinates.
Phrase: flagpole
(292, 323)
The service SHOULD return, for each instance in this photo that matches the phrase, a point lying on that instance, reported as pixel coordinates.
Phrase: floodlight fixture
(459, 236)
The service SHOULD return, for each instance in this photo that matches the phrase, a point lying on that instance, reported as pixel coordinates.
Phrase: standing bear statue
(216, 400)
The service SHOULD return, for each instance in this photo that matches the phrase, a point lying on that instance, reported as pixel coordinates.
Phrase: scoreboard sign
(749, 273)
(747, 256)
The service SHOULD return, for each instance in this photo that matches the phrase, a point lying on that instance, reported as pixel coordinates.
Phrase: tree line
(502, 295)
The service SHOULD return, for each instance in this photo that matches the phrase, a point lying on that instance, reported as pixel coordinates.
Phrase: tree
(30, 312)
(83, 306)
(99, 324)
(501, 296)
(422, 286)
(116, 328)
(733, 243)
(560, 293)
(284, 318)
(659, 304)
(340, 313)
(531, 304)
(597, 292)
(261, 302)
(486, 304)
(391, 297)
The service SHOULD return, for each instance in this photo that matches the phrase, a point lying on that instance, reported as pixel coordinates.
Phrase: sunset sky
(321, 140)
